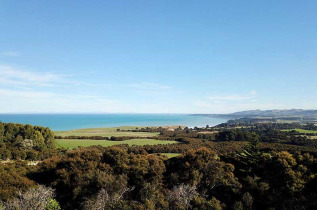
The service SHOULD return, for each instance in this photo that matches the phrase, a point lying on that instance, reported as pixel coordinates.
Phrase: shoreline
(127, 127)
(71, 122)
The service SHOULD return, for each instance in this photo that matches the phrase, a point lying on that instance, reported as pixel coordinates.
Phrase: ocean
(59, 122)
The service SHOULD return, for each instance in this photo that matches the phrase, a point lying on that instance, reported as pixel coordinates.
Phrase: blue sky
(157, 56)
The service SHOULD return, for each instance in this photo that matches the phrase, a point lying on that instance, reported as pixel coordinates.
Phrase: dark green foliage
(251, 179)
(20, 142)
(254, 167)
(83, 173)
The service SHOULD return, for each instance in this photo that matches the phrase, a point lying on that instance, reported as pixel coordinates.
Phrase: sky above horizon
(157, 56)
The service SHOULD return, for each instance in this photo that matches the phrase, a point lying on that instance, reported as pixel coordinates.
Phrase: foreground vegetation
(235, 165)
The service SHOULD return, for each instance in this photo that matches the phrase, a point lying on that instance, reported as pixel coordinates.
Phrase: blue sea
(59, 122)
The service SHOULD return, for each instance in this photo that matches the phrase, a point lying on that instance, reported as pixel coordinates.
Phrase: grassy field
(170, 155)
(288, 121)
(105, 132)
(73, 143)
(208, 132)
(310, 137)
(300, 130)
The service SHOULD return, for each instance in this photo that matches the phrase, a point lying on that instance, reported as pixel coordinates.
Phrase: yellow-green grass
(170, 155)
(73, 143)
(311, 137)
(300, 130)
(288, 121)
(104, 132)
(208, 132)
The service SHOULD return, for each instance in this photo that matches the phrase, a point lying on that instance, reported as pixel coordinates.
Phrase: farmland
(105, 132)
(170, 155)
(73, 143)
(301, 130)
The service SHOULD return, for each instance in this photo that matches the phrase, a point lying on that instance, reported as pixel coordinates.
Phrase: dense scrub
(20, 142)
(113, 178)
(253, 167)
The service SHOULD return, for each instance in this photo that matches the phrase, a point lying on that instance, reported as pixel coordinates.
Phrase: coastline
(62, 122)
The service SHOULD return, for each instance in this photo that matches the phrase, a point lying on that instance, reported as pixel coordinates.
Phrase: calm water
(75, 121)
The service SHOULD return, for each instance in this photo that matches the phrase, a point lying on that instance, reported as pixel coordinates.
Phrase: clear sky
(165, 56)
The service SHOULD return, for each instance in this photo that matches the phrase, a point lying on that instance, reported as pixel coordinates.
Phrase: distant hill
(276, 113)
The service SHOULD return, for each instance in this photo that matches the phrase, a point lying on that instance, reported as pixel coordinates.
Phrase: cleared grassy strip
(105, 132)
(310, 137)
(208, 132)
(73, 143)
(170, 155)
(300, 130)
(288, 121)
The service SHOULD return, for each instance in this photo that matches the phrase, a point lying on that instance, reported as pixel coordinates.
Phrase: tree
(33, 199)
(104, 199)
(52, 205)
(1, 132)
(180, 196)
(38, 140)
(247, 200)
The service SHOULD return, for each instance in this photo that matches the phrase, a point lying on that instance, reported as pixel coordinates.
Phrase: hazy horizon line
(148, 113)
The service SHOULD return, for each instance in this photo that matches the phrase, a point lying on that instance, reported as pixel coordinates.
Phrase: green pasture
(73, 143)
(170, 155)
(300, 130)
(288, 121)
(104, 132)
